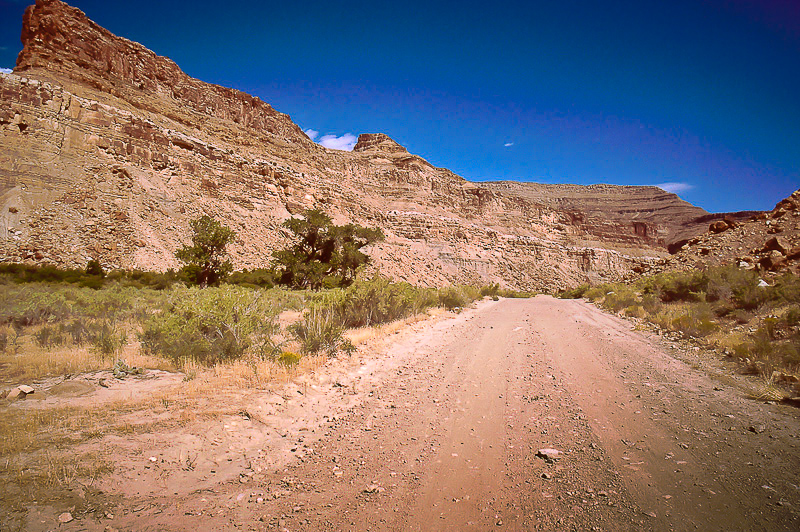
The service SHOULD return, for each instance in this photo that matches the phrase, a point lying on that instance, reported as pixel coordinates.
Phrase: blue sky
(702, 94)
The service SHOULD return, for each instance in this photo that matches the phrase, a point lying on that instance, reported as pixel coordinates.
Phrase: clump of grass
(321, 330)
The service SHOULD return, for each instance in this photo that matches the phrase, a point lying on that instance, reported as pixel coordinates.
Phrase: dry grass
(41, 450)
(29, 362)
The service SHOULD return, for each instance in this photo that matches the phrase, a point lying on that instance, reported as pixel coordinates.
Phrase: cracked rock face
(108, 150)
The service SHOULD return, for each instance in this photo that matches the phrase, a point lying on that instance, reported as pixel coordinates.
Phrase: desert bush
(520, 294)
(288, 359)
(677, 286)
(651, 303)
(48, 337)
(741, 316)
(574, 293)
(597, 292)
(792, 316)
(76, 329)
(321, 329)
(786, 289)
(211, 325)
(107, 338)
(749, 296)
(32, 305)
(724, 282)
(491, 290)
(256, 278)
(690, 324)
(452, 297)
(378, 300)
(621, 297)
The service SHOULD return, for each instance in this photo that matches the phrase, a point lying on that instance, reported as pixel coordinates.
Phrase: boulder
(778, 244)
(548, 453)
(719, 226)
(773, 261)
(20, 392)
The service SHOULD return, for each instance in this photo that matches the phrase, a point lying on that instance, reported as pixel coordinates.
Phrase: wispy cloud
(345, 142)
(675, 188)
(312, 133)
(5, 70)
(508, 144)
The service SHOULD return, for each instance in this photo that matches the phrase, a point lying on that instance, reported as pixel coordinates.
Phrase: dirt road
(441, 432)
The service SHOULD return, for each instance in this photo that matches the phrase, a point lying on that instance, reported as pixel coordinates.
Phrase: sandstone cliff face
(624, 214)
(108, 150)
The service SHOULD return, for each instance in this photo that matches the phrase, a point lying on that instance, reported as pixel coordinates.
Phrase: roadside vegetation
(224, 331)
(728, 308)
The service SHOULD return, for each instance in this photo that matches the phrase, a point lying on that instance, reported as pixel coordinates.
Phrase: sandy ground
(439, 428)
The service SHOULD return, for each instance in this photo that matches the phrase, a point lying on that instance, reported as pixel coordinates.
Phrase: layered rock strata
(108, 150)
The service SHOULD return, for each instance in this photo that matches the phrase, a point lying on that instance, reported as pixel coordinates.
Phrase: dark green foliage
(324, 254)
(205, 261)
(27, 273)
(256, 278)
(144, 279)
(793, 317)
(48, 337)
(677, 286)
(93, 267)
(451, 298)
(574, 293)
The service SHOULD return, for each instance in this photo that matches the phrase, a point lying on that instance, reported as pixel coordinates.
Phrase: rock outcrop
(108, 150)
(768, 242)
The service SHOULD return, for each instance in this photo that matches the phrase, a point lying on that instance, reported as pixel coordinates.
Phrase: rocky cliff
(768, 242)
(107, 150)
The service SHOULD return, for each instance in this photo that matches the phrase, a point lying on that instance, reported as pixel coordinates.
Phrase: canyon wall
(108, 150)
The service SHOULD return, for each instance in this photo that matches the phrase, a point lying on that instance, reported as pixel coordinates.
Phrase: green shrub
(692, 325)
(742, 316)
(107, 338)
(677, 286)
(597, 292)
(490, 290)
(636, 311)
(259, 277)
(622, 297)
(289, 359)
(321, 329)
(48, 337)
(786, 289)
(792, 317)
(211, 325)
(574, 293)
(378, 300)
(452, 297)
